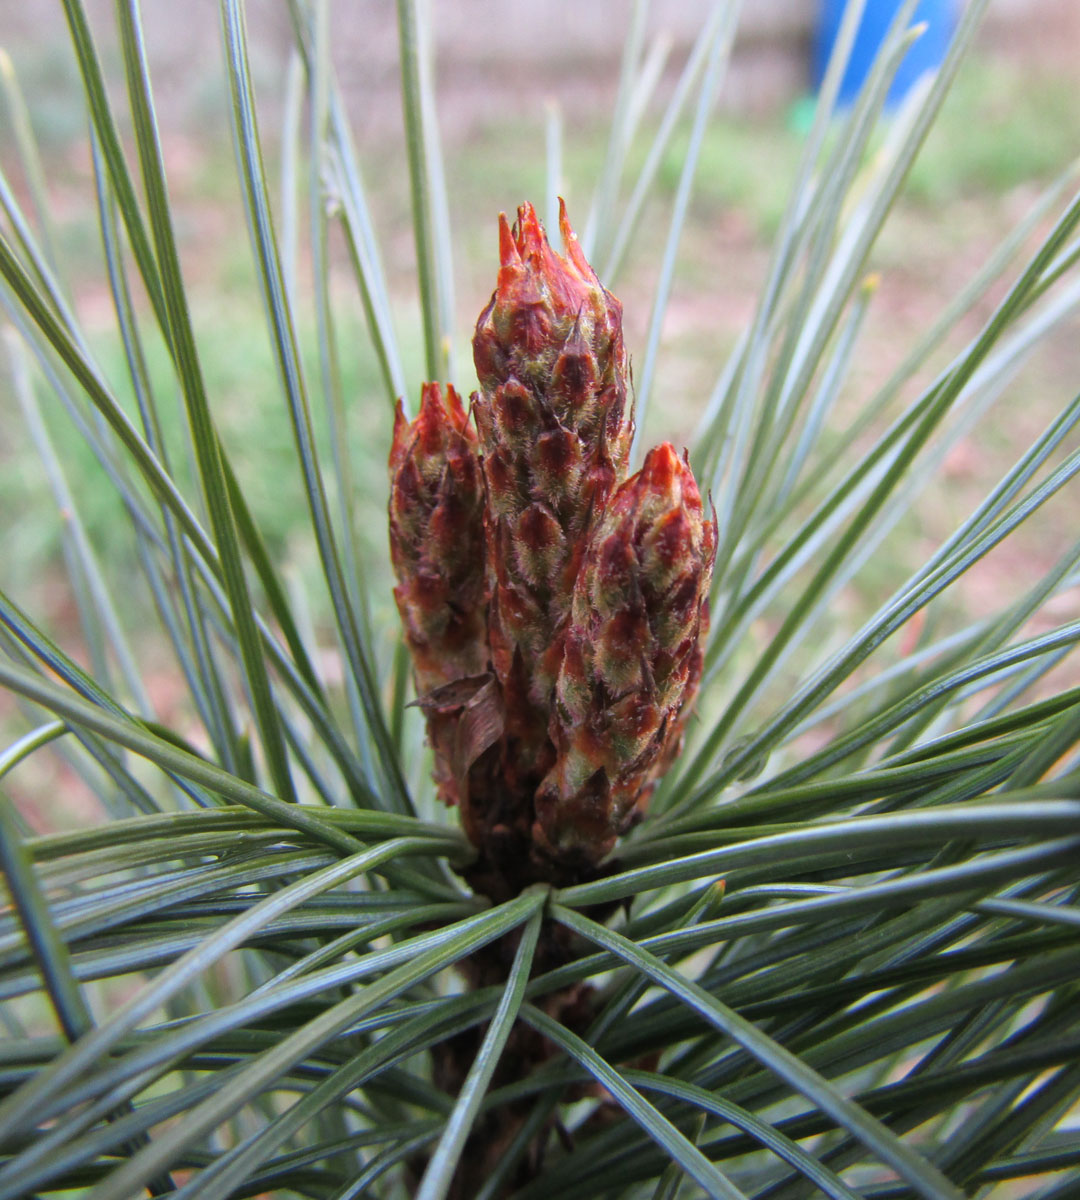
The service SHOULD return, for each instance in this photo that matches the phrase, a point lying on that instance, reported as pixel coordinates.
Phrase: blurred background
(1010, 126)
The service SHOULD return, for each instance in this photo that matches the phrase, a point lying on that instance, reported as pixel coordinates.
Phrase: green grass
(1006, 126)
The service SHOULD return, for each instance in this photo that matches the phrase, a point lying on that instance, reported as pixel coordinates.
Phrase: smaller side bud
(437, 552)
(632, 658)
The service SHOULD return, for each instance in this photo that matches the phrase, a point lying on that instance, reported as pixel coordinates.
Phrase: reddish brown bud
(554, 434)
(437, 551)
(554, 617)
(632, 657)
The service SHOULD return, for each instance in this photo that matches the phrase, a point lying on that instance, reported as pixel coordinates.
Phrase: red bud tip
(573, 248)
(508, 251)
(400, 438)
(531, 239)
(661, 467)
(435, 413)
(533, 275)
(430, 393)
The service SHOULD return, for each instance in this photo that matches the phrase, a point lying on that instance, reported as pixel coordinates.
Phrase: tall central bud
(555, 431)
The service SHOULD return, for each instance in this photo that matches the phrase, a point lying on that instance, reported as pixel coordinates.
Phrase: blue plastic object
(925, 55)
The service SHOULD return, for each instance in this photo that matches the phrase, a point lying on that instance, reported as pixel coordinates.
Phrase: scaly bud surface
(437, 552)
(631, 659)
(555, 432)
(554, 617)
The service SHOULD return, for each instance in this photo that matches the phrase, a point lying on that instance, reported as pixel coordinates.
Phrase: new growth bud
(631, 658)
(554, 617)
(554, 433)
(437, 552)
